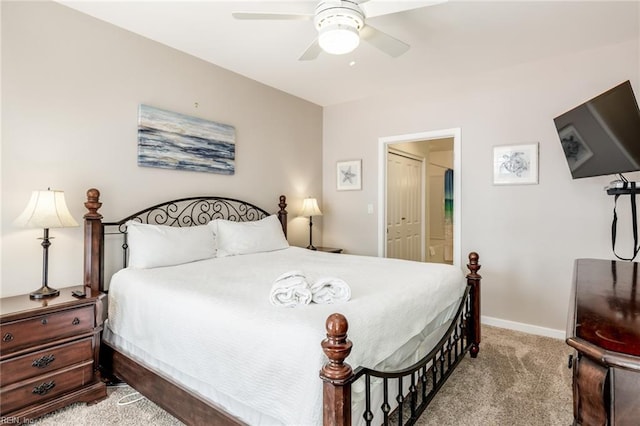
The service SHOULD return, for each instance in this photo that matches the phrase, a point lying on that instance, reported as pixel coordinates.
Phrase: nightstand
(329, 249)
(49, 354)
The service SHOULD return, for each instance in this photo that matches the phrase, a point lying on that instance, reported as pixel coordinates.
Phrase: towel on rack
(330, 290)
(290, 289)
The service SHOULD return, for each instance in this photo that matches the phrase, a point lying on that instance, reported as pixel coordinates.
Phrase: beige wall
(71, 86)
(527, 236)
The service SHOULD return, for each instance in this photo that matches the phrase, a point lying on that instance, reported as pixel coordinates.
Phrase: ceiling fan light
(338, 39)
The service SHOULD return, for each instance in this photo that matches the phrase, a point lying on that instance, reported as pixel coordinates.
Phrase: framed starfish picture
(349, 176)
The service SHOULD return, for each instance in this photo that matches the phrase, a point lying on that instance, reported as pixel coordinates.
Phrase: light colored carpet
(517, 379)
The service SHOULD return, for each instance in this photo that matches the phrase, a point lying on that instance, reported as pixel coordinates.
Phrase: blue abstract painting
(176, 141)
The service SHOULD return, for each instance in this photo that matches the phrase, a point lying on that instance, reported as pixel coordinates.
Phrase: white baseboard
(525, 328)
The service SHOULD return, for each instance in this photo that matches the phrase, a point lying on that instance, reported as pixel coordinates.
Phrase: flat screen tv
(602, 136)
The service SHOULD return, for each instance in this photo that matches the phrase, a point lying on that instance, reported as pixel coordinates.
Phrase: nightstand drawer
(43, 328)
(45, 387)
(44, 361)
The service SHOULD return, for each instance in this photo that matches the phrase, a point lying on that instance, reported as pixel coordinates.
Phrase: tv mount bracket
(617, 189)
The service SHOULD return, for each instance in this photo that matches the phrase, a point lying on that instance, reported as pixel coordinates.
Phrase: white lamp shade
(310, 207)
(338, 39)
(46, 209)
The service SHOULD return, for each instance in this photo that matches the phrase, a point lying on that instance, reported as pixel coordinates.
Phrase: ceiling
(450, 40)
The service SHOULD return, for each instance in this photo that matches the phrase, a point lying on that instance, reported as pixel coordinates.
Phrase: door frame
(383, 143)
(423, 201)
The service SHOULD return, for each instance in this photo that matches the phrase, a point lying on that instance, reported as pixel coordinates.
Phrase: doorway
(438, 199)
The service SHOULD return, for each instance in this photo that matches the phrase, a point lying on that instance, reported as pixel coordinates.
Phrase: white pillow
(235, 238)
(151, 246)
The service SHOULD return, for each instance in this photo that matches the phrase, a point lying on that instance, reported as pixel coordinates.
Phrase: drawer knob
(75, 321)
(43, 361)
(44, 321)
(7, 337)
(43, 388)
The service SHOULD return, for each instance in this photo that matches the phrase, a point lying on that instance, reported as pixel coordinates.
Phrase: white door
(404, 207)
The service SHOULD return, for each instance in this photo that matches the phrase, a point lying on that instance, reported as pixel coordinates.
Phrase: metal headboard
(192, 211)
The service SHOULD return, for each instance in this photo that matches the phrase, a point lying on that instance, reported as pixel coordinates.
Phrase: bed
(200, 338)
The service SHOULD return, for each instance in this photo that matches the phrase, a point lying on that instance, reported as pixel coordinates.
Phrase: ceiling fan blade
(273, 16)
(389, 45)
(374, 8)
(312, 52)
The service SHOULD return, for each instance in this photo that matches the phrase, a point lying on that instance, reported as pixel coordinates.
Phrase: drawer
(44, 328)
(45, 387)
(44, 361)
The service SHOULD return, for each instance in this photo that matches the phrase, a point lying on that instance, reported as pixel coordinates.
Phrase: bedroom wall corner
(527, 235)
(72, 85)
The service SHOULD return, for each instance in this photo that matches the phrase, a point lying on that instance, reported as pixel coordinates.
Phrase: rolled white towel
(330, 290)
(290, 289)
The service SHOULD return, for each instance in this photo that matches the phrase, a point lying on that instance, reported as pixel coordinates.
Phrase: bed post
(473, 279)
(93, 242)
(282, 213)
(336, 374)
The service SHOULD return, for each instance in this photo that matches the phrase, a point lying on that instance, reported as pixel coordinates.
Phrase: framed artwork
(349, 175)
(515, 164)
(574, 147)
(176, 141)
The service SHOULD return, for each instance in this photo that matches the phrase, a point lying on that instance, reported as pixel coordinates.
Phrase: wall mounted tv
(602, 136)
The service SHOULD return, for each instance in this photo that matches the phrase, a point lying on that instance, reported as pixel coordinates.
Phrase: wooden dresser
(604, 329)
(48, 354)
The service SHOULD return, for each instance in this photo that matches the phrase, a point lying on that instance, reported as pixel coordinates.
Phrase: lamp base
(44, 292)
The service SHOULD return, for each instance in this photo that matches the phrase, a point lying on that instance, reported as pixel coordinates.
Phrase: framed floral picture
(349, 175)
(515, 164)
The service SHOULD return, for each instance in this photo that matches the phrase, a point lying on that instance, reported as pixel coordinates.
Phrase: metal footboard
(418, 383)
(406, 393)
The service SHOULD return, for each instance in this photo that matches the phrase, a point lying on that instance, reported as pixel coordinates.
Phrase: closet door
(404, 207)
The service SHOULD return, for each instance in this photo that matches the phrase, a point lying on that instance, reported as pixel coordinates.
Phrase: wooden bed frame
(425, 377)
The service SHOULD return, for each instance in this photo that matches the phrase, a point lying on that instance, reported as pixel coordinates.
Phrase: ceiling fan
(341, 25)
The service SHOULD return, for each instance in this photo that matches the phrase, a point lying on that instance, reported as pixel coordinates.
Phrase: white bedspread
(212, 323)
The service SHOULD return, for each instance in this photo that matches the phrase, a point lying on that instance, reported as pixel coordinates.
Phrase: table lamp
(46, 209)
(310, 208)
